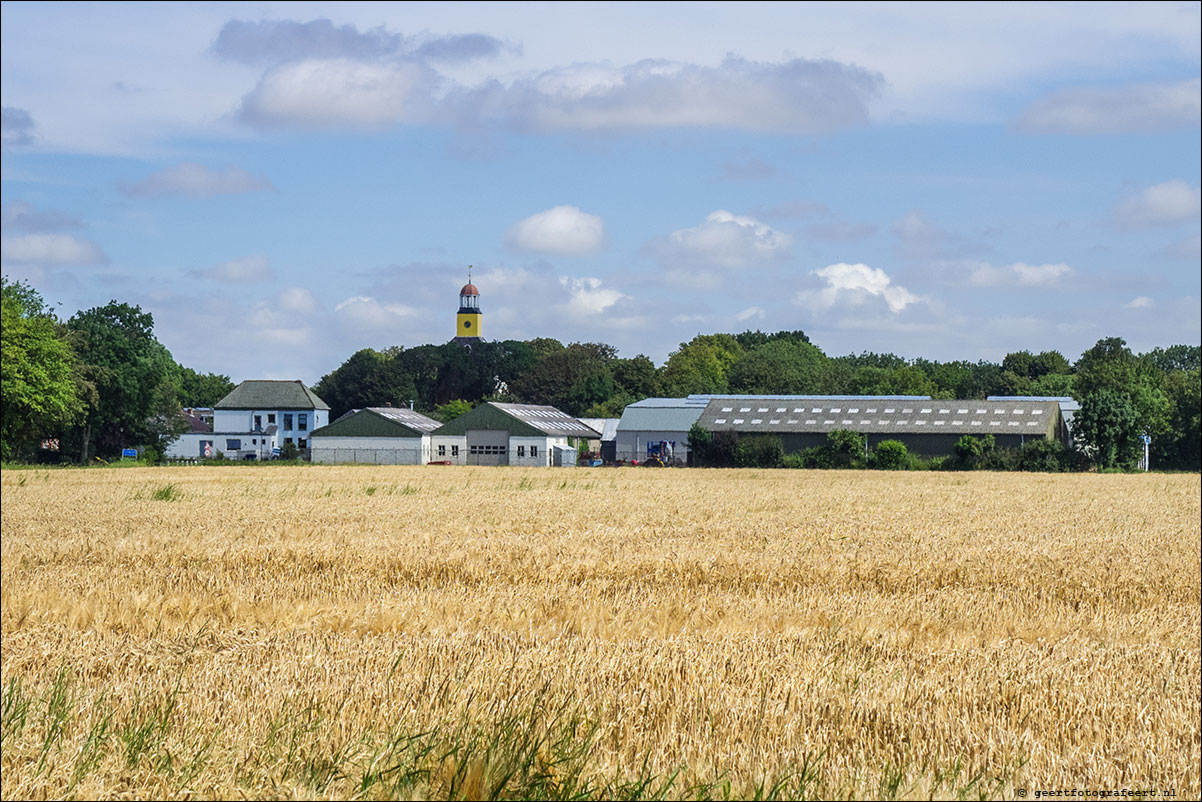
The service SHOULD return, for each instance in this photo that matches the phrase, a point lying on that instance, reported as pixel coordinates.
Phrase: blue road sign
(129, 453)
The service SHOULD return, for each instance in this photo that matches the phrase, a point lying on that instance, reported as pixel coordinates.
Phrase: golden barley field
(433, 632)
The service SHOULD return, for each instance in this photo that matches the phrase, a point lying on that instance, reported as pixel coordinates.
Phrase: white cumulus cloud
(1142, 302)
(197, 181)
(587, 296)
(365, 312)
(50, 249)
(338, 92)
(1160, 205)
(561, 230)
(299, 300)
(854, 285)
(724, 240)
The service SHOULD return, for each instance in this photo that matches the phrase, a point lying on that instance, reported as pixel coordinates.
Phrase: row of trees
(97, 383)
(1123, 395)
(101, 381)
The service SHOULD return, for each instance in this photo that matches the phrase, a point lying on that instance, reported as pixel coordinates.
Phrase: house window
(254, 442)
(232, 444)
(534, 451)
(271, 417)
(288, 421)
(258, 422)
(521, 451)
(287, 441)
(302, 421)
(442, 451)
(301, 443)
(454, 451)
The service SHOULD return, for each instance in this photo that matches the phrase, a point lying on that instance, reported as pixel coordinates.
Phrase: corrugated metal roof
(697, 402)
(708, 396)
(608, 427)
(265, 394)
(548, 420)
(659, 418)
(414, 420)
(781, 415)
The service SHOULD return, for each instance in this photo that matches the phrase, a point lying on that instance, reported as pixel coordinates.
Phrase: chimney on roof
(410, 403)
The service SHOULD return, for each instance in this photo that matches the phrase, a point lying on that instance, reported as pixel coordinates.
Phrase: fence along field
(374, 632)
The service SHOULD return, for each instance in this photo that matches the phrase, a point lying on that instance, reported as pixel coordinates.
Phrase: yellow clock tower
(467, 322)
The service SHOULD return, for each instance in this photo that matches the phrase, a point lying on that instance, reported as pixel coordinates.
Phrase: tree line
(94, 384)
(103, 381)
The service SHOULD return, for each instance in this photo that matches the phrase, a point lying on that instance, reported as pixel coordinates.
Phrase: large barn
(377, 435)
(928, 428)
(507, 434)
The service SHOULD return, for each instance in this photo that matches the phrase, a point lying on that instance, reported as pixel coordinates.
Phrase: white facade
(373, 450)
(292, 425)
(231, 445)
(450, 448)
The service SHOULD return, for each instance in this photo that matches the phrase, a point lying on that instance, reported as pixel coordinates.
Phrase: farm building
(1069, 407)
(256, 419)
(928, 428)
(652, 421)
(657, 420)
(507, 434)
(377, 435)
(604, 445)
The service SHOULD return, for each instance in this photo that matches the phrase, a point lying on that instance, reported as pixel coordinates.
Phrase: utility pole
(1147, 442)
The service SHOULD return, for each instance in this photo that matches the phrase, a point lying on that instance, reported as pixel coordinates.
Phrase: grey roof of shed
(548, 420)
(608, 427)
(266, 394)
(659, 418)
(784, 416)
(379, 422)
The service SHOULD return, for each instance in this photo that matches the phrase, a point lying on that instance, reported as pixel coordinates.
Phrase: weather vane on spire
(469, 274)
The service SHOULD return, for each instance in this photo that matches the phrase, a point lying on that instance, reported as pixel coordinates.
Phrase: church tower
(467, 322)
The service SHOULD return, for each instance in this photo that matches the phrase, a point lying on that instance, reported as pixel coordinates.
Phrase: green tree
(761, 451)
(700, 365)
(137, 382)
(1180, 446)
(202, 389)
(892, 455)
(780, 367)
(1107, 429)
(452, 410)
(847, 448)
(40, 386)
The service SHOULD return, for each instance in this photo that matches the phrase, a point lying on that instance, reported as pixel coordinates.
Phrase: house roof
(266, 394)
(379, 422)
(196, 423)
(518, 419)
(783, 416)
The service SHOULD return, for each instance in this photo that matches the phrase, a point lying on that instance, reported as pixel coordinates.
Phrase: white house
(255, 420)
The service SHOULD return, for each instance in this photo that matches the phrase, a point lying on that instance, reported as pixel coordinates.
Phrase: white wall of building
(373, 450)
(633, 444)
(448, 448)
(288, 422)
(520, 450)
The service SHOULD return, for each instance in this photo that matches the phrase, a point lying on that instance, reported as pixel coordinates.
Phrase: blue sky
(282, 184)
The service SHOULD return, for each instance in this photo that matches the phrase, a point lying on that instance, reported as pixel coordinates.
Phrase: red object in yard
(441, 462)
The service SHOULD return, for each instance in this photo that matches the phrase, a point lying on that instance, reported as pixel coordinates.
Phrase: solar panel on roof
(1037, 412)
(827, 422)
(738, 421)
(780, 409)
(974, 423)
(835, 409)
(924, 411)
(757, 420)
(811, 422)
(728, 409)
(720, 420)
(853, 411)
(889, 411)
(774, 422)
(995, 423)
(847, 423)
(939, 422)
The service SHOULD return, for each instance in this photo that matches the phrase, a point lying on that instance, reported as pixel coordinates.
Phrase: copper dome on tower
(469, 289)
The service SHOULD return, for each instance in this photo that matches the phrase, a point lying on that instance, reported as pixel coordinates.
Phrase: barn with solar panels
(927, 428)
(375, 435)
(510, 434)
